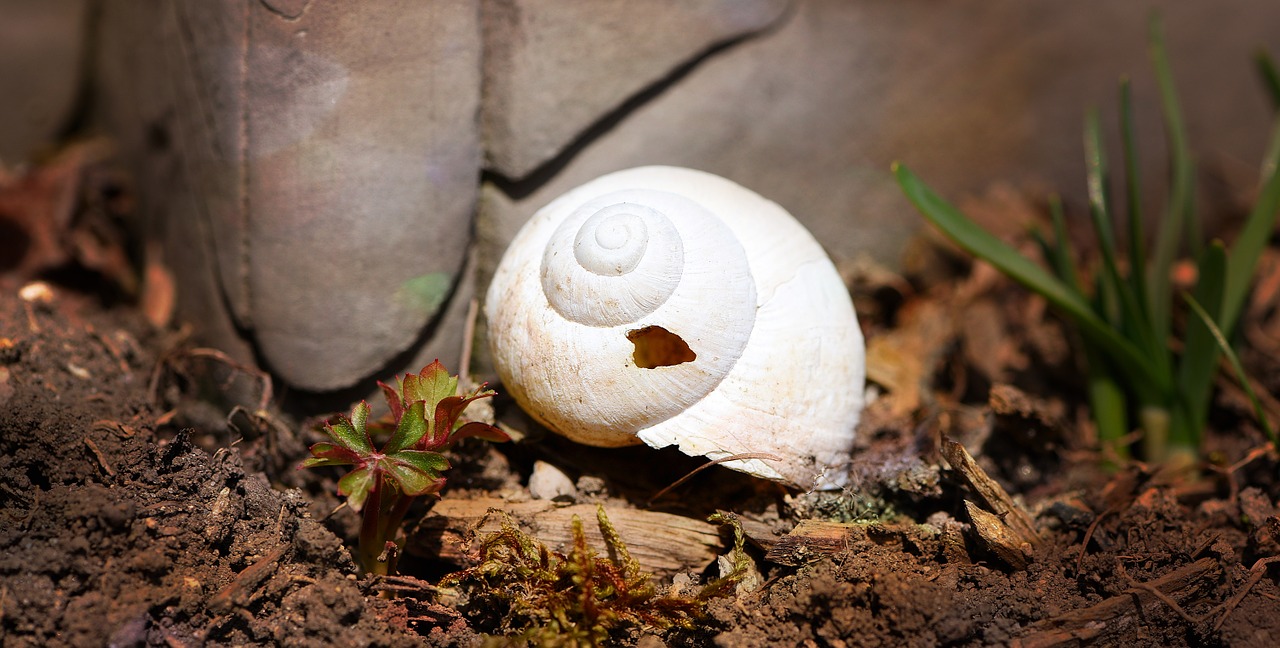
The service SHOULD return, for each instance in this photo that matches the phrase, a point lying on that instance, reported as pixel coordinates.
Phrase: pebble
(548, 483)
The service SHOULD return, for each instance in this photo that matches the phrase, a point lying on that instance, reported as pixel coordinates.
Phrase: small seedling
(1125, 322)
(424, 422)
(581, 599)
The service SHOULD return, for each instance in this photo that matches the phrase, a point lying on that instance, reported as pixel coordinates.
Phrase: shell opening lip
(658, 347)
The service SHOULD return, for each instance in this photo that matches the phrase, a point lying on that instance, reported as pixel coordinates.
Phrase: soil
(148, 496)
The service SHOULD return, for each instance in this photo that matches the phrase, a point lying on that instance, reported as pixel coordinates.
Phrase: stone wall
(41, 50)
(317, 170)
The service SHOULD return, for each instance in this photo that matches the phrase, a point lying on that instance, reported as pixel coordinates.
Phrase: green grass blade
(1178, 211)
(1271, 158)
(1270, 77)
(1096, 174)
(1253, 237)
(1133, 195)
(1063, 257)
(983, 245)
(1235, 364)
(1106, 301)
(1048, 251)
(1183, 194)
(1200, 352)
(1107, 401)
(1132, 318)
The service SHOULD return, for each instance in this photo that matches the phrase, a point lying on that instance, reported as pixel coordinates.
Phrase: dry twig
(1107, 622)
(715, 462)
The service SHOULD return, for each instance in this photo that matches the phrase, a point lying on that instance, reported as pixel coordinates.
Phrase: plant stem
(391, 524)
(371, 535)
(1107, 400)
(1155, 432)
(1184, 433)
(1169, 440)
(383, 512)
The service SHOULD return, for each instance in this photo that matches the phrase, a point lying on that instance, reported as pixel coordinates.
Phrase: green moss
(426, 292)
(525, 591)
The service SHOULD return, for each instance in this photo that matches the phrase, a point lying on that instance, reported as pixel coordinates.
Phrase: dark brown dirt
(111, 535)
(139, 506)
(115, 532)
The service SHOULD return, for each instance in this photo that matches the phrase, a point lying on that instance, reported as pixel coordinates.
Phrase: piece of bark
(998, 537)
(663, 543)
(1114, 619)
(994, 497)
(812, 539)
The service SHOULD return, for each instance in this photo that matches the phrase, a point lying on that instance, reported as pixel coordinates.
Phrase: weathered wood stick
(998, 537)
(994, 497)
(1002, 526)
(812, 539)
(663, 543)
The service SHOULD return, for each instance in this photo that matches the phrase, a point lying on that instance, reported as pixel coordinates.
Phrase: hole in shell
(658, 347)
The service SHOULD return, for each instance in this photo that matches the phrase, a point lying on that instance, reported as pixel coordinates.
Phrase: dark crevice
(286, 11)
(14, 243)
(520, 188)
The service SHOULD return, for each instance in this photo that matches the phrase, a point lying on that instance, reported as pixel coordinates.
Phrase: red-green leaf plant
(424, 422)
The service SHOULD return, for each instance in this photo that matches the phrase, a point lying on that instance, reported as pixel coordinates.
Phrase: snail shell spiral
(671, 306)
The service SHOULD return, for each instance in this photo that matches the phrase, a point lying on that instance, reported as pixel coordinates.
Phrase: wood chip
(994, 497)
(102, 460)
(1003, 527)
(758, 533)
(663, 543)
(159, 289)
(7, 390)
(998, 538)
(812, 539)
(241, 590)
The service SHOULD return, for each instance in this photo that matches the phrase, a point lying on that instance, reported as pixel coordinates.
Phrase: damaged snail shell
(675, 307)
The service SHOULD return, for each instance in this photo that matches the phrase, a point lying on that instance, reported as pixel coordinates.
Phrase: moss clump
(523, 590)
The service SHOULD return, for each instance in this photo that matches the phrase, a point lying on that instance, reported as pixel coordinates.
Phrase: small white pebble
(37, 292)
(680, 583)
(548, 482)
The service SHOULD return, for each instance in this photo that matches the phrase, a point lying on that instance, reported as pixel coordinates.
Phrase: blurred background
(328, 185)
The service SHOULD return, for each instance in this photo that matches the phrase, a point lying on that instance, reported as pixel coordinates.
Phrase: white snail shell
(675, 307)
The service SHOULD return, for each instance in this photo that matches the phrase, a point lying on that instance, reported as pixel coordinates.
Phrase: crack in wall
(288, 10)
(521, 187)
